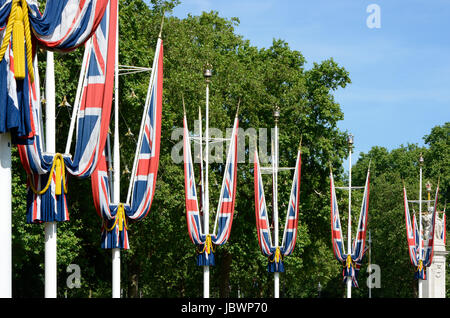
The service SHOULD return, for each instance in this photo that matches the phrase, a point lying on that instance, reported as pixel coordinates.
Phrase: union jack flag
(65, 25)
(225, 209)
(275, 253)
(336, 229)
(192, 208)
(145, 168)
(262, 218)
(414, 238)
(352, 259)
(92, 126)
(412, 232)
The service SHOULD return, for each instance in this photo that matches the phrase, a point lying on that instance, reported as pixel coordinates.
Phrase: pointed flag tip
(237, 109)
(162, 24)
(184, 108)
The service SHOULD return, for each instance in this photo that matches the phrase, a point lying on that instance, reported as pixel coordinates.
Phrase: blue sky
(400, 72)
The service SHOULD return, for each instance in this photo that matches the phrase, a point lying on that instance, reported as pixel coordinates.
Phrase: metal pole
(349, 227)
(370, 265)
(116, 164)
(76, 105)
(207, 74)
(420, 221)
(5, 216)
(50, 227)
(276, 277)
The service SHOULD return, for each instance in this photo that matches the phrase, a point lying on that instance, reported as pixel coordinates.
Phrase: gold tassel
(19, 45)
(58, 176)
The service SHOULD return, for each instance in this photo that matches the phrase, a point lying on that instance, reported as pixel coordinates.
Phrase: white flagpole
(5, 216)
(349, 228)
(207, 74)
(76, 105)
(420, 222)
(50, 227)
(370, 265)
(276, 276)
(116, 162)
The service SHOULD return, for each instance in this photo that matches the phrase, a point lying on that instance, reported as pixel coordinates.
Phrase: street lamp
(319, 288)
(276, 113)
(350, 140)
(207, 73)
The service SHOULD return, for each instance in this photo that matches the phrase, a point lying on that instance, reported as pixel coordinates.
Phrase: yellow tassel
(277, 255)
(26, 24)
(208, 247)
(19, 45)
(119, 220)
(120, 215)
(58, 176)
(58, 169)
(349, 261)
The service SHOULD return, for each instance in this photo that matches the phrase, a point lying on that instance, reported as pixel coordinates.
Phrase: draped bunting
(420, 260)
(45, 201)
(276, 253)
(65, 25)
(351, 260)
(224, 215)
(143, 182)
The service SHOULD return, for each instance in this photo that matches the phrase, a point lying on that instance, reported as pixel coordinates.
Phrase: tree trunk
(224, 277)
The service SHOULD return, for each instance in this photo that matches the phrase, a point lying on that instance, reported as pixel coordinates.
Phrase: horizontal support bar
(66, 155)
(346, 188)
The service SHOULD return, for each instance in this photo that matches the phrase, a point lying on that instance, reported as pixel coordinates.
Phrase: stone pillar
(434, 285)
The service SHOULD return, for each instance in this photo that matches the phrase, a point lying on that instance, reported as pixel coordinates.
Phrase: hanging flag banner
(143, 180)
(224, 216)
(351, 260)
(65, 25)
(276, 253)
(420, 260)
(47, 185)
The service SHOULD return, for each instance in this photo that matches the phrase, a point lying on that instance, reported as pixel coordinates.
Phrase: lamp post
(319, 289)
(276, 115)
(207, 74)
(349, 223)
(420, 222)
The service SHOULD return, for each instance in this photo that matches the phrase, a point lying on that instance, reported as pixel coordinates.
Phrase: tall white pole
(420, 221)
(349, 227)
(116, 165)
(50, 227)
(5, 216)
(370, 264)
(207, 76)
(276, 276)
(206, 203)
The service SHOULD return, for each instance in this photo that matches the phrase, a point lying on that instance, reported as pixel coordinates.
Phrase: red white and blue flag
(143, 179)
(92, 127)
(420, 260)
(276, 253)
(352, 259)
(65, 25)
(225, 209)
